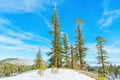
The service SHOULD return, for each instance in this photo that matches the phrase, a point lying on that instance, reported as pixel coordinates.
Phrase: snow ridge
(63, 74)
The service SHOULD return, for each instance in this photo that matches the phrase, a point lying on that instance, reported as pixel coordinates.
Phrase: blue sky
(24, 26)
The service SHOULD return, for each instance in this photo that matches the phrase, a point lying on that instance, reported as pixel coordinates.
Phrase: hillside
(63, 74)
(18, 61)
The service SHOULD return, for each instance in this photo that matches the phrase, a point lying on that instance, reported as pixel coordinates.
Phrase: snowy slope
(18, 61)
(64, 74)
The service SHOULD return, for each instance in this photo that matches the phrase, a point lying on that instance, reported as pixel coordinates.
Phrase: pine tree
(66, 50)
(80, 44)
(102, 54)
(38, 59)
(110, 68)
(56, 54)
(51, 59)
(72, 57)
(39, 64)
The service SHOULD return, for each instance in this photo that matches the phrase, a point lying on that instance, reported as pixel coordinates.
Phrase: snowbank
(64, 74)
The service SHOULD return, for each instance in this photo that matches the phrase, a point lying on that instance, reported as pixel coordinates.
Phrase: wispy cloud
(113, 49)
(107, 31)
(109, 16)
(13, 38)
(91, 48)
(19, 33)
(94, 62)
(17, 44)
(22, 5)
(3, 21)
(16, 40)
(26, 5)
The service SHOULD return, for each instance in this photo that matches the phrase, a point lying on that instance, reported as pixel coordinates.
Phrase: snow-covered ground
(63, 74)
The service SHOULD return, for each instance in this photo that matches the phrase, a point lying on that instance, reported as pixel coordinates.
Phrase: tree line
(7, 69)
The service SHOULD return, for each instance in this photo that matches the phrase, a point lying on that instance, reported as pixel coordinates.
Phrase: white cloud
(91, 48)
(25, 5)
(5, 39)
(101, 21)
(107, 22)
(8, 42)
(106, 4)
(19, 33)
(94, 62)
(47, 22)
(14, 40)
(114, 48)
(16, 44)
(113, 51)
(109, 16)
(22, 5)
(107, 31)
(3, 22)
(115, 44)
(114, 60)
(91, 60)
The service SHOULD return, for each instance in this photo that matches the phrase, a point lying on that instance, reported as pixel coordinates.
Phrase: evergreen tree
(80, 44)
(56, 54)
(51, 59)
(66, 50)
(72, 57)
(110, 68)
(102, 54)
(39, 64)
(38, 61)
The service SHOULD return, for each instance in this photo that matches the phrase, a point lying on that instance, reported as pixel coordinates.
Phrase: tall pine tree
(102, 54)
(80, 44)
(66, 51)
(56, 54)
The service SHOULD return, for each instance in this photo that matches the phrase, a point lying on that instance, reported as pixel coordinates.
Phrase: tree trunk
(55, 46)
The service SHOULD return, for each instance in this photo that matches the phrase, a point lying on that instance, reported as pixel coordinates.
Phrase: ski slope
(63, 74)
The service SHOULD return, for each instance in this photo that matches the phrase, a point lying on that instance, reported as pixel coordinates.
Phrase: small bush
(54, 70)
(42, 68)
(40, 72)
(101, 77)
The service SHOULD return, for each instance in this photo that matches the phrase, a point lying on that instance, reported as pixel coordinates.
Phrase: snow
(63, 74)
